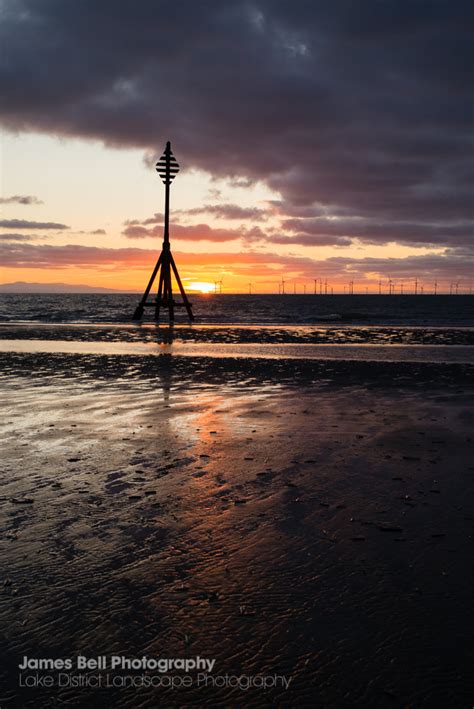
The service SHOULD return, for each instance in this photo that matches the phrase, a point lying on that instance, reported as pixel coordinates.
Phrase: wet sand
(281, 351)
(310, 519)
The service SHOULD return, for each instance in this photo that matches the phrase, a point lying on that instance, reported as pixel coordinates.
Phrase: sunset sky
(323, 139)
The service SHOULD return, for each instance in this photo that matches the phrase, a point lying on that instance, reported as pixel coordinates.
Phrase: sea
(435, 328)
(420, 310)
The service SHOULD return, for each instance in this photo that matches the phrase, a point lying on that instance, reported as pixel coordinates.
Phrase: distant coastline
(51, 288)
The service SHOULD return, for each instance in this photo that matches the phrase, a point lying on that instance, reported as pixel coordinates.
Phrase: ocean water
(421, 310)
(289, 326)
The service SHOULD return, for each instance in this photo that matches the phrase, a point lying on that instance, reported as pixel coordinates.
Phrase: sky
(316, 140)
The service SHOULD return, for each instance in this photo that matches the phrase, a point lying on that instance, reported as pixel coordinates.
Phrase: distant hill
(23, 287)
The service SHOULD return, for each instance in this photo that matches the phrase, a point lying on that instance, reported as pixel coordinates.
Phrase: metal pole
(166, 235)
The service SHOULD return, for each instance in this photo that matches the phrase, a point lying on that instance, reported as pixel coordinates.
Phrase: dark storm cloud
(25, 224)
(20, 199)
(359, 109)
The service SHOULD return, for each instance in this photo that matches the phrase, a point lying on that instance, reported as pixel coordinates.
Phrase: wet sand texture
(309, 519)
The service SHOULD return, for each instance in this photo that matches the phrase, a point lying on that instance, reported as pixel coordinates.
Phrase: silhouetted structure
(167, 168)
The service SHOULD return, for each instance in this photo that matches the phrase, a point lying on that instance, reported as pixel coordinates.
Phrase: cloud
(362, 110)
(24, 224)
(72, 255)
(193, 232)
(157, 218)
(135, 229)
(94, 232)
(374, 232)
(315, 232)
(18, 237)
(20, 199)
(454, 264)
(227, 211)
(76, 255)
(303, 239)
(221, 211)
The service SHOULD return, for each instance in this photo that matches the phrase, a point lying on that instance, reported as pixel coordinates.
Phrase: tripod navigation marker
(167, 168)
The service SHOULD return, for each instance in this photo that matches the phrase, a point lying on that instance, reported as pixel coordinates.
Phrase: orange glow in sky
(77, 228)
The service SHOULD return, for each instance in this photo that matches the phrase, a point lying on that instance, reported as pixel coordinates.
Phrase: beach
(236, 355)
(307, 519)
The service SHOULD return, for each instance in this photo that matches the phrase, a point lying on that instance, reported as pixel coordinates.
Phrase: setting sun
(202, 286)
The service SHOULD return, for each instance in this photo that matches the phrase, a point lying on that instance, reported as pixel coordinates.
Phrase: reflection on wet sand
(166, 346)
(171, 508)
